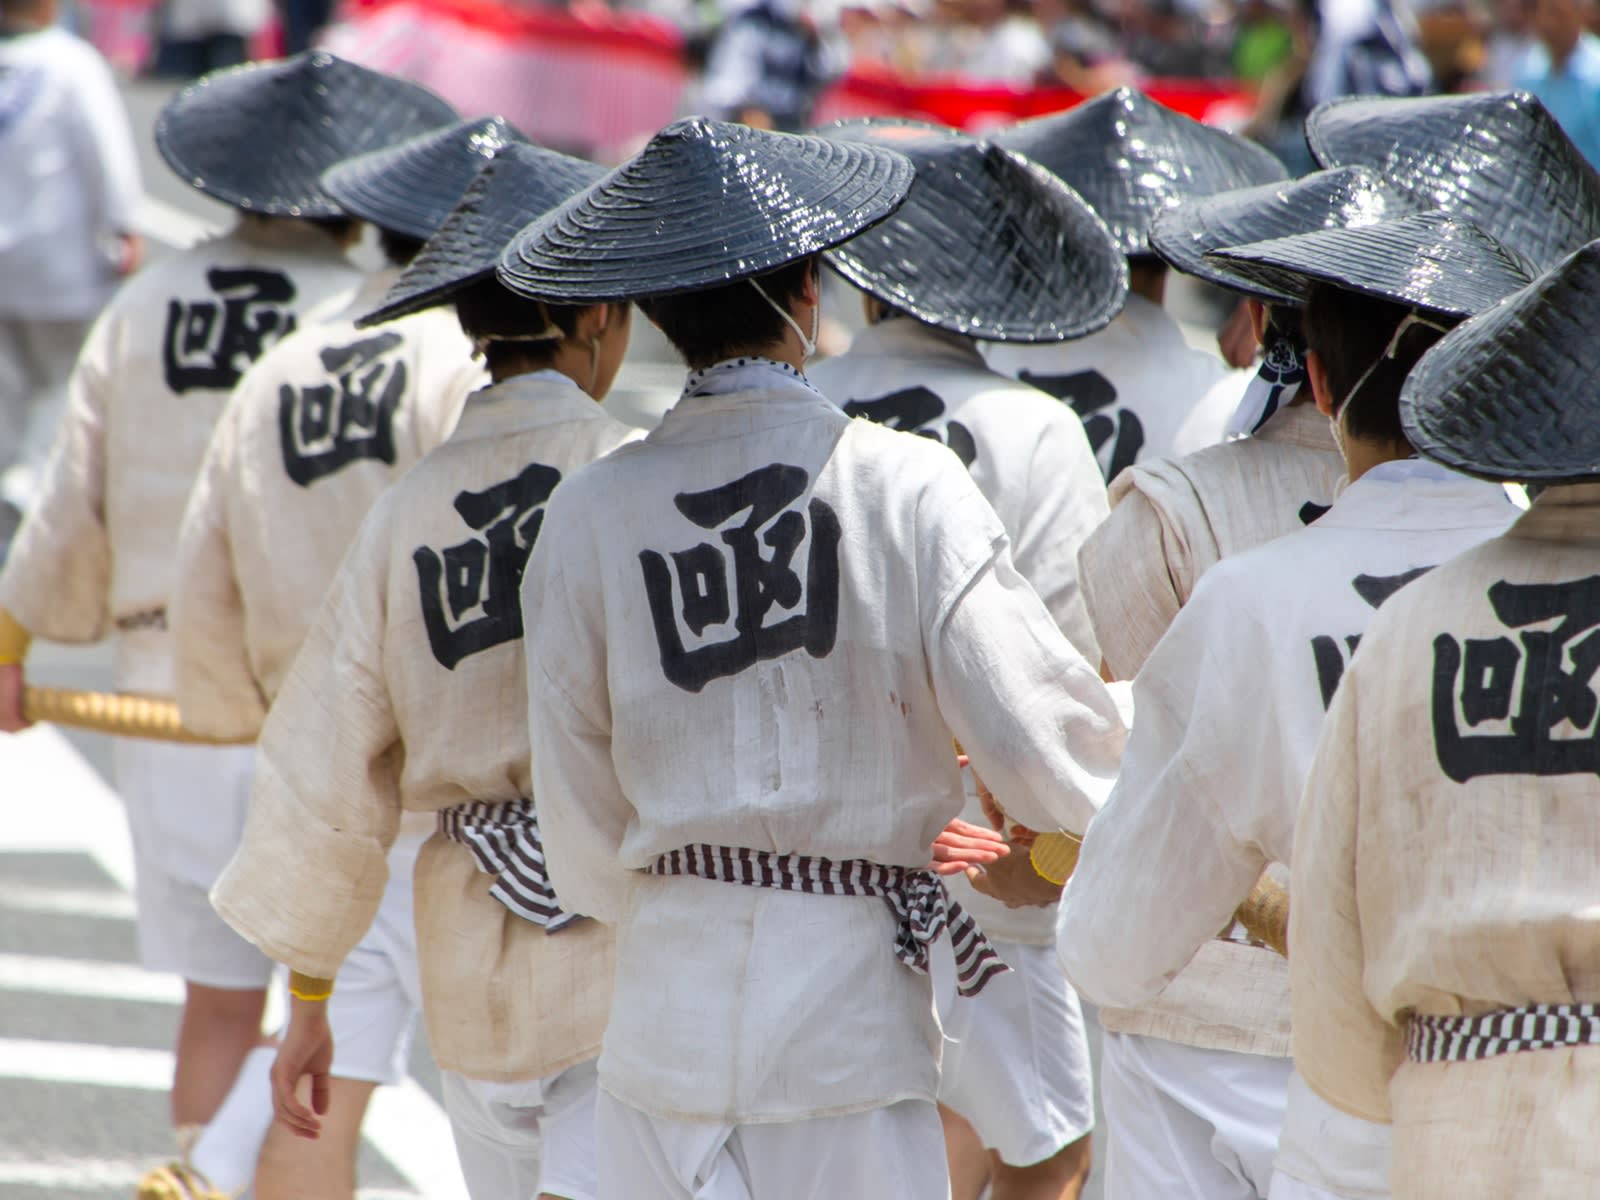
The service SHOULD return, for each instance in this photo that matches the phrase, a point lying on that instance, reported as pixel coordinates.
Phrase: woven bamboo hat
(703, 204)
(1131, 158)
(987, 244)
(1510, 395)
(1342, 198)
(520, 184)
(1428, 261)
(1498, 159)
(411, 188)
(259, 137)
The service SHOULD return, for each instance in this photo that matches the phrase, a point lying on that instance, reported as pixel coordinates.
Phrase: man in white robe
(1016, 1065)
(1443, 930)
(97, 553)
(761, 626)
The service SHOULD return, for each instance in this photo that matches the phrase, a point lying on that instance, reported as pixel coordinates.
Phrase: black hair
(398, 248)
(1350, 333)
(334, 227)
(719, 323)
(1287, 321)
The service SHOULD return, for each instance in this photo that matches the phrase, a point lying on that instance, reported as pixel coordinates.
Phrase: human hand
(130, 253)
(1237, 338)
(962, 846)
(1015, 883)
(306, 1052)
(11, 687)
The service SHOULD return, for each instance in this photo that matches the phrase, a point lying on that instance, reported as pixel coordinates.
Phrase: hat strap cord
(1388, 354)
(807, 344)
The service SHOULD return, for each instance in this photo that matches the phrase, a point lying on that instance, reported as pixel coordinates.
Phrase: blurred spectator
(1508, 43)
(302, 21)
(1085, 53)
(69, 182)
(767, 64)
(199, 36)
(1563, 70)
(1004, 43)
(1365, 48)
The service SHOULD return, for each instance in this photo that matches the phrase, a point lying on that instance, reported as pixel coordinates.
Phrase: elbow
(1098, 964)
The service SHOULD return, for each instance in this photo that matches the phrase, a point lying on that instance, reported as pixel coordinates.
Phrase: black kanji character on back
(1116, 434)
(329, 425)
(762, 549)
(470, 591)
(210, 343)
(1326, 651)
(914, 410)
(1533, 688)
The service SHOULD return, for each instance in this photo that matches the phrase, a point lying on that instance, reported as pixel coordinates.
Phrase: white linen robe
(1031, 460)
(1230, 705)
(789, 684)
(99, 549)
(1445, 863)
(409, 697)
(1143, 392)
(313, 435)
(1173, 519)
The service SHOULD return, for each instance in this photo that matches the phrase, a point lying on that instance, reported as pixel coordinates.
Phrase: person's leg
(496, 1127)
(638, 1156)
(890, 1153)
(219, 1027)
(294, 1168)
(1017, 1068)
(1156, 1146)
(567, 1132)
(965, 1156)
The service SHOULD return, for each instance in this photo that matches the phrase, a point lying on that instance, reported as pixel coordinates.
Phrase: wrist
(309, 989)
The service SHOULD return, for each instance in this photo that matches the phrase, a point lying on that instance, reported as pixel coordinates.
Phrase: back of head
(719, 323)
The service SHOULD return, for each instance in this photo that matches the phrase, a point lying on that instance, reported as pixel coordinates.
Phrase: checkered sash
(918, 899)
(1535, 1027)
(504, 841)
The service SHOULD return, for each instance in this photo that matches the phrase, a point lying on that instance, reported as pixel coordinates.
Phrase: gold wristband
(309, 987)
(1054, 855)
(14, 640)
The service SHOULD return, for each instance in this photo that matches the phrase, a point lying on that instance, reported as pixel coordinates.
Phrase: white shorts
(1182, 1121)
(521, 1140)
(186, 808)
(1326, 1154)
(377, 996)
(893, 1153)
(1016, 1059)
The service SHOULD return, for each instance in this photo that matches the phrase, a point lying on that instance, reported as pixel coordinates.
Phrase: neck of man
(786, 350)
(1362, 454)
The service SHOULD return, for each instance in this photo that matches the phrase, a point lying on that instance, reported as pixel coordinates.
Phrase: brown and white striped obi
(918, 899)
(503, 839)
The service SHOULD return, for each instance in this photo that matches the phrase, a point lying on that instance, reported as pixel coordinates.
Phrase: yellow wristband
(14, 640)
(1054, 855)
(309, 987)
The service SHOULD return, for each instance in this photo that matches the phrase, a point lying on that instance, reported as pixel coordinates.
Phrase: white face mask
(808, 345)
(1389, 352)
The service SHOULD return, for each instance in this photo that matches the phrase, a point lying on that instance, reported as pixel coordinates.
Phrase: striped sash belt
(922, 907)
(1535, 1027)
(504, 841)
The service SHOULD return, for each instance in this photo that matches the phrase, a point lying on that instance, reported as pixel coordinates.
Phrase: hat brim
(1499, 160)
(704, 204)
(1510, 395)
(412, 187)
(1426, 261)
(517, 186)
(988, 245)
(1341, 198)
(1131, 159)
(260, 136)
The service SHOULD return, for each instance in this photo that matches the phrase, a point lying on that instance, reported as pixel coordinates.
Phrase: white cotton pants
(1326, 1154)
(36, 361)
(521, 1140)
(1016, 1057)
(892, 1153)
(1186, 1122)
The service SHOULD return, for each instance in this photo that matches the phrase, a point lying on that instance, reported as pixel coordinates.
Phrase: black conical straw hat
(1497, 159)
(1341, 198)
(1511, 395)
(1427, 260)
(259, 137)
(517, 186)
(411, 187)
(705, 203)
(987, 244)
(1132, 158)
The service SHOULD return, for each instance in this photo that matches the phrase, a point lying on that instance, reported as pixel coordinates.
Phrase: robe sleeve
(1177, 846)
(57, 578)
(1042, 729)
(310, 871)
(583, 811)
(1345, 1050)
(218, 693)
